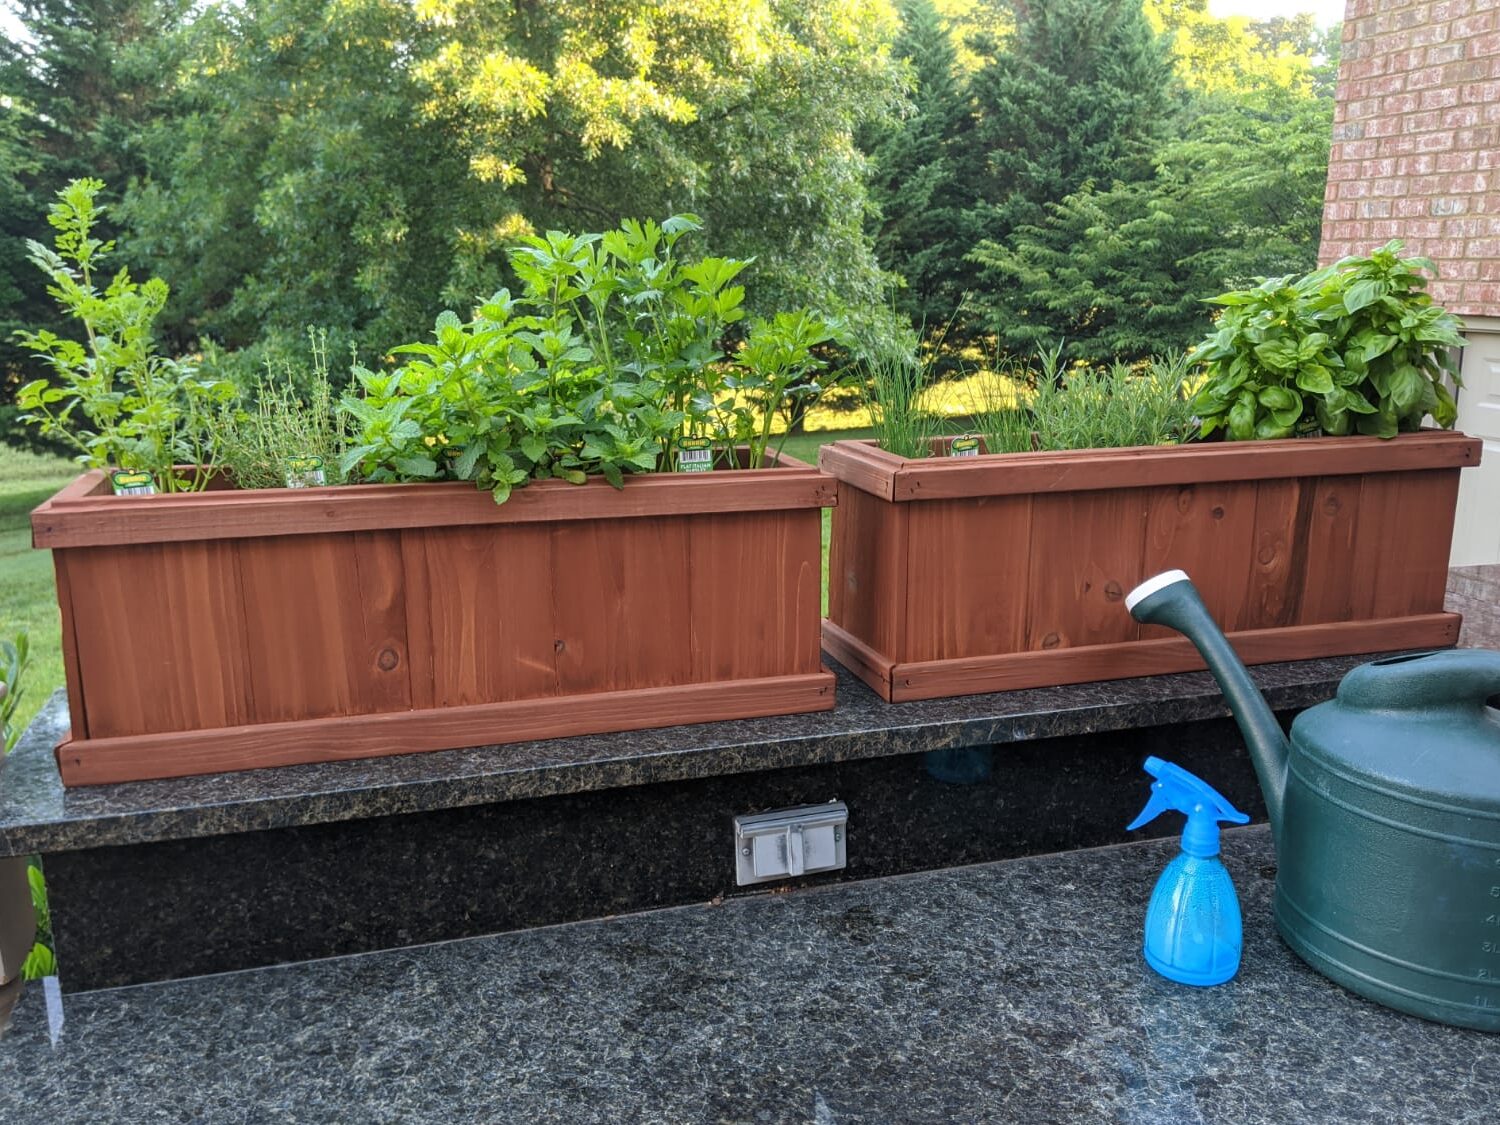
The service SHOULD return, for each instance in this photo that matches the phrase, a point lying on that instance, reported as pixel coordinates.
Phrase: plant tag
(964, 447)
(695, 455)
(129, 482)
(305, 472)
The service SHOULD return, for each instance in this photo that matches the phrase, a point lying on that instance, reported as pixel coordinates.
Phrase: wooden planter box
(952, 576)
(231, 630)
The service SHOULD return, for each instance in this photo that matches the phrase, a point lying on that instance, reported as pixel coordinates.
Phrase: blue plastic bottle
(1193, 931)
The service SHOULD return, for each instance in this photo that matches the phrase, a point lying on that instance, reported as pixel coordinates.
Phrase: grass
(27, 595)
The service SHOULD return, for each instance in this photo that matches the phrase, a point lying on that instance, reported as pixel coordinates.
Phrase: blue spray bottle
(1193, 932)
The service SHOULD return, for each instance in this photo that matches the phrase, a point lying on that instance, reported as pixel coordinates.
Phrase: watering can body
(1385, 807)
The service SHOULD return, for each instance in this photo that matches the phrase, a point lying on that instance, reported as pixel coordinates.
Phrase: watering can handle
(1426, 679)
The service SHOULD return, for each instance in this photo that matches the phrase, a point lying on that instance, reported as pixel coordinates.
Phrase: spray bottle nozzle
(1176, 788)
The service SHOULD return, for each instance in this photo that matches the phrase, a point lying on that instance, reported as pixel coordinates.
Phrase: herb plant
(257, 447)
(1357, 346)
(1088, 408)
(116, 401)
(611, 355)
(15, 656)
(895, 379)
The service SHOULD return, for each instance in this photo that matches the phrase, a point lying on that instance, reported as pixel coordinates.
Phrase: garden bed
(958, 575)
(229, 630)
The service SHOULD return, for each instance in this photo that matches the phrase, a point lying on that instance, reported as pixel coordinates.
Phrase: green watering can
(1385, 808)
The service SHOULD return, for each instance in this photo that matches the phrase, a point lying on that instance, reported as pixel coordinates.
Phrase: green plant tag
(964, 447)
(129, 482)
(305, 472)
(695, 455)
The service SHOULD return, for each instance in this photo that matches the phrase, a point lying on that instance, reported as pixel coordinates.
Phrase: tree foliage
(361, 163)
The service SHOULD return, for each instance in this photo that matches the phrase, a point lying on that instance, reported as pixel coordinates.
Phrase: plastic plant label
(964, 447)
(305, 472)
(130, 482)
(695, 455)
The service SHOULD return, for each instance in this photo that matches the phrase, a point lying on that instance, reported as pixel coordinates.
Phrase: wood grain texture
(1206, 530)
(1005, 474)
(620, 604)
(755, 594)
(77, 713)
(1086, 556)
(1401, 557)
(108, 761)
(480, 614)
(1333, 519)
(867, 561)
(1273, 592)
(89, 518)
(325, 625)
(1013, 671)
(869, 665)
(160, 637)
(968, 584)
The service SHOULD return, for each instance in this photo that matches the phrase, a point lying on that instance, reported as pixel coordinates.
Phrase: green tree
(1120, 268)
(913, 179)
(362, 163)
(75, 91)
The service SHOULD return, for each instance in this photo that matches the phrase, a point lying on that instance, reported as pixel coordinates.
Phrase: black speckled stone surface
(131, 913)
(38, 815)
(1012, 992)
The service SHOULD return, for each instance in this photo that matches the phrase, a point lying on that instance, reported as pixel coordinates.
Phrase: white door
(1476, 531)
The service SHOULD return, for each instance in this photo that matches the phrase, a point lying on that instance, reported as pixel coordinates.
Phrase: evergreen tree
(913, 185)
(1081, 93)
(75, 91)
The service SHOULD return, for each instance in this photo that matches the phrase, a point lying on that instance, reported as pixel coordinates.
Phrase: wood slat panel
(480, 611)
(100, 762)
(77, 714)
(161, 638)
(1406, 558)
(1328, 553)
(1086, 555)
(325, 625)
(1011, 672)
(942, 478)
(1206, 530)
(1273, 591)
(755, 594)
(69, 520)
(967, 578)
(867, 562)
(620, 603)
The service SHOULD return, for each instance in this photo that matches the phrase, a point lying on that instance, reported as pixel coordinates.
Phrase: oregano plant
(1354, 347)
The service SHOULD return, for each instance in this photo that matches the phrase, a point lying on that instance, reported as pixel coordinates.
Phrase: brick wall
(1416, 142)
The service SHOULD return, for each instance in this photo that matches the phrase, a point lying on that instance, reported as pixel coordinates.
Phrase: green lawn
(27, 596)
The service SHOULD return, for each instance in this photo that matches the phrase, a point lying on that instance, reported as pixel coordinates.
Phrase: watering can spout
(1170, 599)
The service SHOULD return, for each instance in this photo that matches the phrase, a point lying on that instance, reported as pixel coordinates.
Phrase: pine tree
(913, 182)
(1079, 95)
(75, 90)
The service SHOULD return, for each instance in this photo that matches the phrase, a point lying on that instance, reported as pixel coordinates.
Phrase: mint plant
(611, 355)
(1355, 347)
(112, 397)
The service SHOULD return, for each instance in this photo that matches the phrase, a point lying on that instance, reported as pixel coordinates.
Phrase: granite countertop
(1007, 992)
(38, 815)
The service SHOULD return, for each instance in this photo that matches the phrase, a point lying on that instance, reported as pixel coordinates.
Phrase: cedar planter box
(230, 630)
(952, 576)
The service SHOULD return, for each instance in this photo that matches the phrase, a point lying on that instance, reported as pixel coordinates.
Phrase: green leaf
(1315, 379)
(416, 466)
(1363, 293)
